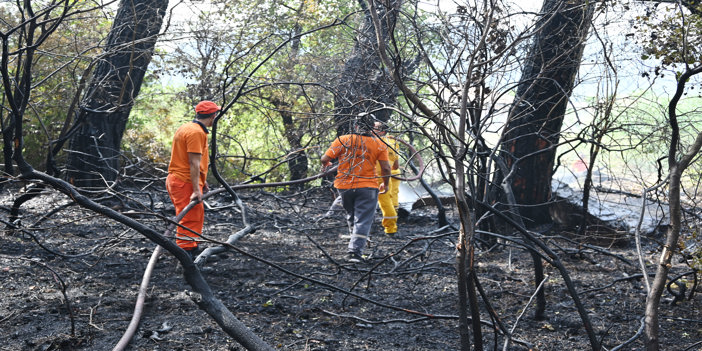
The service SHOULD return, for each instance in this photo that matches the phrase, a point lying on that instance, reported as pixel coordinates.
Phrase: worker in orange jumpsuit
(187, 173)
(358, 153)
(389, 201)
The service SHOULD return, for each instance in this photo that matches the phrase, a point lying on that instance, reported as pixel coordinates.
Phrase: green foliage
(153, 121)
(57, 69)
(671, 34)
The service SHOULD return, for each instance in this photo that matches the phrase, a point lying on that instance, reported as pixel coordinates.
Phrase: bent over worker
(187, 173)
(389, 201)
(356, 181)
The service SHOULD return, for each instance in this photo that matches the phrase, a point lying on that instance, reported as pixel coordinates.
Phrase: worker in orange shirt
(187, 173)
(357, 182)
(389, 201)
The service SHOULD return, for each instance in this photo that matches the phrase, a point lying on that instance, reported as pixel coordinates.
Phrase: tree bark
(366, 88)
(676, 168)
(94, 157)
(297, 158)
(532, 131)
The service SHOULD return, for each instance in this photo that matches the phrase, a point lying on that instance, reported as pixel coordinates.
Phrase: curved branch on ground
(205, 298)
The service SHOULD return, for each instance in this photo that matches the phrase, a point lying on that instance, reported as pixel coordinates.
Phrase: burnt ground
(98, 264)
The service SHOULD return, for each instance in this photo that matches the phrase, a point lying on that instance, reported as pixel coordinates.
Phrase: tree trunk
(676, 168)
(532, 131)
(297, 159)
(365, 86)
(298, 163)
(7, 133)
(94, 157)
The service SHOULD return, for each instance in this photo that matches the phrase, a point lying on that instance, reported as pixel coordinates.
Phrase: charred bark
(366, 88)
(94, 157)
(533, 129)
(297, 161)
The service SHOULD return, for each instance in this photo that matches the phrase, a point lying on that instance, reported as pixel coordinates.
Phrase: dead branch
(680, 295)
(631, 277)
(334, 287)
(62, 287)
(556, 262)
(385, 321)
(203, 295)
(632, 339)
(13, 226)
(534, 295)
(139, 305)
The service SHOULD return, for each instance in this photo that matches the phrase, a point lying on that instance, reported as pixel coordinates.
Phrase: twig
(62, 286)
(594, 248)
(36, 240)
(336, 288)
(12, 314)
(633, 338)
(405, 321)
(635, 276)
(372, 269)
(92, 312)
(385, 321)
(693, 346)
(511, 332)
(637, 234)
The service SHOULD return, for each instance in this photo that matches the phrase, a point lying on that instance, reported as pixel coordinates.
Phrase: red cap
(206, 107)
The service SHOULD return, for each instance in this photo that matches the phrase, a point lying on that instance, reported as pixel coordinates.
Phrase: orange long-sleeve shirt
(357, 156)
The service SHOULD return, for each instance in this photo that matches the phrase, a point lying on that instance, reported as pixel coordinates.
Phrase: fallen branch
(200, 260)
(205, 299)
(139, 306)
(631, 339)
(531, 299)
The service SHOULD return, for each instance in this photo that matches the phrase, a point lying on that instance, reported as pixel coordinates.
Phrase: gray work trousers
(360, 205)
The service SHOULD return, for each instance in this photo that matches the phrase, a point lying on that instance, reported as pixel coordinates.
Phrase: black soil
(69, 281)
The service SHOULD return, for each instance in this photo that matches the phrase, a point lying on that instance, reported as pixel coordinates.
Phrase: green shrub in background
(248, 140)
(153, 121)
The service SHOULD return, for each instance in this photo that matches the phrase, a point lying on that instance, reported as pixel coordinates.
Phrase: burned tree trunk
(94, 157)
(297, 160)
(533, 129)
(366, 87)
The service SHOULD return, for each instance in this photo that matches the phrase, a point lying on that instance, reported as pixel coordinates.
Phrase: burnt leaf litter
(70, 281)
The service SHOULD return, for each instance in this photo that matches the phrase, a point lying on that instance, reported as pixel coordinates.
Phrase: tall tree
(673, 39)
(365, 87)
(94, 158)
(532, 132)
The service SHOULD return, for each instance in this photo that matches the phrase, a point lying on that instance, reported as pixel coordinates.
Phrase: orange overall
(189, 138)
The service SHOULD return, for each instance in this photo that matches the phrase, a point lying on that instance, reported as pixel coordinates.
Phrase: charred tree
(94, 157)
(7, 131)
(678, 162)
(366, 87)
(297, 161)
(532, 131)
